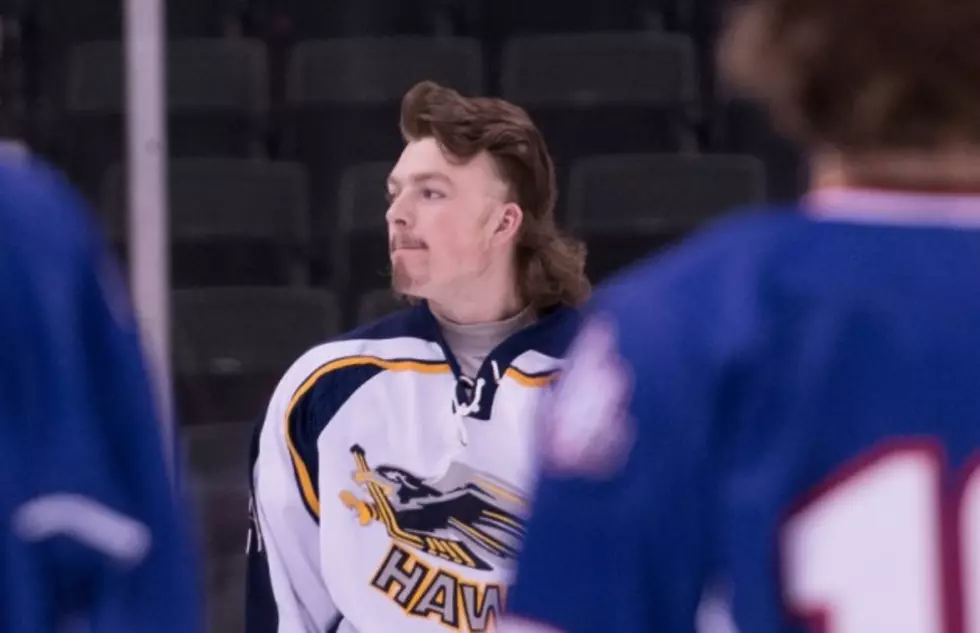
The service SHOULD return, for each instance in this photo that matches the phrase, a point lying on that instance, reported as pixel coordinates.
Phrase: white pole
(147, 177)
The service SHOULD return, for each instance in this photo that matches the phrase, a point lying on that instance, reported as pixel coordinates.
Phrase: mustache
(405, 241)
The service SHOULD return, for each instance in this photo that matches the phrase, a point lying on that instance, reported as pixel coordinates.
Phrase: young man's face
(443, 221)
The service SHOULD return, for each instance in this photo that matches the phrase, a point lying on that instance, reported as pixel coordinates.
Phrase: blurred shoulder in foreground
(779, 416)
(94, 534)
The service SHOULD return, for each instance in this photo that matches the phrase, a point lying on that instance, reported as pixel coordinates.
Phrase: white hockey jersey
(389, 491)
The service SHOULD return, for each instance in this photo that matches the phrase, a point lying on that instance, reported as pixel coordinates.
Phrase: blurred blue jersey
(91, 537)
(781, 416)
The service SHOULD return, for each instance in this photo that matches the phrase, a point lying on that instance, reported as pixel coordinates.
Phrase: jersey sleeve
(285, 587)
(97, 507)
(618, 538)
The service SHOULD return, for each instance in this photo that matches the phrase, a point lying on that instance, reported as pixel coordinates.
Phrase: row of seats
(68, 21)
(98, 19)
(231, 345)
(241, 222)
(588, 93)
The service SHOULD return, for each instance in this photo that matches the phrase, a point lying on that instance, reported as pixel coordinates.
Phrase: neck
(478, 309)
(949, 171)
(492, 297)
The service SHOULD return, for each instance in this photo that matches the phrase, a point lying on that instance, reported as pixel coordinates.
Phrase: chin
(407, 298)
(403, 283)
(411, 291)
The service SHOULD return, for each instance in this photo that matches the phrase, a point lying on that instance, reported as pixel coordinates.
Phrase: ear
(508, 223)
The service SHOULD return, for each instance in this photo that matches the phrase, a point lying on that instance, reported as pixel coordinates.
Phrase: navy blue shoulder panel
(414, 321)
(312, 407)
(327, 389)
(261, 612)
(558, 328)
(551, 335)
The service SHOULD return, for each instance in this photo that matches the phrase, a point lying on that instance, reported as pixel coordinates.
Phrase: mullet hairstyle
(550, 264)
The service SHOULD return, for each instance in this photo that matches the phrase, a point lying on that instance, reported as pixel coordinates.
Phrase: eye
(432, 194)
(390, 195)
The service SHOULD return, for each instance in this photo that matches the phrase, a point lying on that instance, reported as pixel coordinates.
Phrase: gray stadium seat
(224, 75)
(225, 591)
(223, 511)
(370, 71)
(376, 304)
(50, 28)
(203, 18)
(605, 92)
(218, 459)
(226, 594)
(223, 532)
(304, 19)
(233, 221)
(232, 345)
(343, 98)
(72, 21)
(514, 17)
(625, 206)
(360, 243)
(217, 92)
(217, 454)
(746, 129)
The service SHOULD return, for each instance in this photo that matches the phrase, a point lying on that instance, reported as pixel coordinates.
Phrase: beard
(403, 283)
(401, 280)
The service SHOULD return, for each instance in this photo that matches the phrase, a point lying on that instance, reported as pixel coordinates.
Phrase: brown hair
(551, 266)
(861, 75)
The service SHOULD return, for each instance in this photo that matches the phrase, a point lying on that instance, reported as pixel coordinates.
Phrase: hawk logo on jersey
(466, 517)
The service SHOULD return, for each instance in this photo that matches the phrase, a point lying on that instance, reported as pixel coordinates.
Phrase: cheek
(456, 244)
(461, 252)
(448, 239)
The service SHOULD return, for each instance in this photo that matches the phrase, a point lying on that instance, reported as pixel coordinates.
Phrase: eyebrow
(421, 177)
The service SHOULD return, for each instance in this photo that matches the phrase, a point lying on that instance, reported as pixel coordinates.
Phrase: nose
(399, 213)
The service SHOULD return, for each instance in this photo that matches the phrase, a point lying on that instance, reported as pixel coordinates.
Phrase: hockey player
(390, 473)
(781, 415)
(92, 536)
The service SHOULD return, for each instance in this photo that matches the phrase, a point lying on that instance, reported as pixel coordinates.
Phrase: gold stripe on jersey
(527, 380)
(407, 365)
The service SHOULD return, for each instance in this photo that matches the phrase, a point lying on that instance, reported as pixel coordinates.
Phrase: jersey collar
(550, 334)
(900, 208)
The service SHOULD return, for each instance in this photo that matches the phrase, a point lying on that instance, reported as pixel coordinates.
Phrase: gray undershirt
(472, 343)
